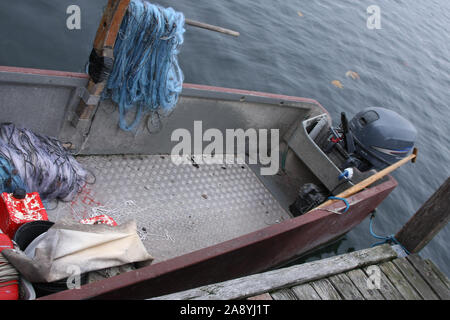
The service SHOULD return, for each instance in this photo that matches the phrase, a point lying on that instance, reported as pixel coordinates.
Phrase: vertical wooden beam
(104, 46)
(428, 221)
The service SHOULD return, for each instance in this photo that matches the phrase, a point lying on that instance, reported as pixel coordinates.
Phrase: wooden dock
(378, 273)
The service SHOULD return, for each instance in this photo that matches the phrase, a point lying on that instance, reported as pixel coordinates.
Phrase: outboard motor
(374, 139)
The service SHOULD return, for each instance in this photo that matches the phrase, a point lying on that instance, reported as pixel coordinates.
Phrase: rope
(146, 75)
(38, 163)
(7, 272)
(347, 204)
(385, 239)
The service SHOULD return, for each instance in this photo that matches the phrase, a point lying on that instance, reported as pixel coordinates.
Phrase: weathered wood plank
(387, 289)
(305, 292)
(428, 220)
(415, 279)
(360, 280)
(325, 290)
(345, 287)
(104, 46)
(438, 272)
(429, 276)
(283, 294)
(264, 296)
(399, 281)
(281, 278)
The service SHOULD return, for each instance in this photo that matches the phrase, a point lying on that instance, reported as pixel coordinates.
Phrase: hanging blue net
(146, 76)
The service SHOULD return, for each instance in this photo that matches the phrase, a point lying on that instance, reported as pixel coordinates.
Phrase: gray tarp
(69, 245)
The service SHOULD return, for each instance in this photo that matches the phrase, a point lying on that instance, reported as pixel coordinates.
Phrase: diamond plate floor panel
(178, 209)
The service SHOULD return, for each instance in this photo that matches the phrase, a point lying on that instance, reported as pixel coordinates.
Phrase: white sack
(69, 244)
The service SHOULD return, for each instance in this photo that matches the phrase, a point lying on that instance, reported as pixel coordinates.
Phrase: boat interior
(179, 208)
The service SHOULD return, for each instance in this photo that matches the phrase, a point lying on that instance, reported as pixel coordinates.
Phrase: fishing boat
(202, 222)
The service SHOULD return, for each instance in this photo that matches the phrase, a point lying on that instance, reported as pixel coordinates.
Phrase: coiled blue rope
(385, 239)
(146, 75)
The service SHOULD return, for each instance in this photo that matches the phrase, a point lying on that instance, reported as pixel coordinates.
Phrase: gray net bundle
(38, 163)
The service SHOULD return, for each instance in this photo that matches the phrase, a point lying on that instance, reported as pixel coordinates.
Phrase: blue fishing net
(146, 76)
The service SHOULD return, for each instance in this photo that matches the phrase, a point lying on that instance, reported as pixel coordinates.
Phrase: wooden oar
(211, 27)
(367, 182)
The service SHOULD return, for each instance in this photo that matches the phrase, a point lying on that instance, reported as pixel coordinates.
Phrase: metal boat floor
(177, 208)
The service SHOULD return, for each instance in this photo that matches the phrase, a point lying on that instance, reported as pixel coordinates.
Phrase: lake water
(404, 66)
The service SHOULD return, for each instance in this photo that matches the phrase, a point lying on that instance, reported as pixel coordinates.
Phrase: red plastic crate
(15, 212)
(8, 290)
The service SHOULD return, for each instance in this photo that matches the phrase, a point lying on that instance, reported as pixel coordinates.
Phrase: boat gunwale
(190, 86)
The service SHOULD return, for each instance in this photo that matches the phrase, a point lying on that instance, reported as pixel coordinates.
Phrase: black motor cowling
(381, 136)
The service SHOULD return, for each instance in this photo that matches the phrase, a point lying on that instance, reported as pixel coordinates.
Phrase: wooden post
(104, 42)
(428, 221)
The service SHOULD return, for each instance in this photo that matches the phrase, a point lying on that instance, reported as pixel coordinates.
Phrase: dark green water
(405, 66)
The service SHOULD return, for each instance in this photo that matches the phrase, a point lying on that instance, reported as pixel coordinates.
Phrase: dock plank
(430, 277)
(305, 292)
(387, 289)
(438, 272)
(287, 277)
(360, 279)
(264, 296)
(399, 281)
(283, 294)
(325, 290)
(345, 287)
(415, 279)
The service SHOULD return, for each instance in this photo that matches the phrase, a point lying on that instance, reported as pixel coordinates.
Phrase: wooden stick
(211, 27)
(367, 182)
(104, 46)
